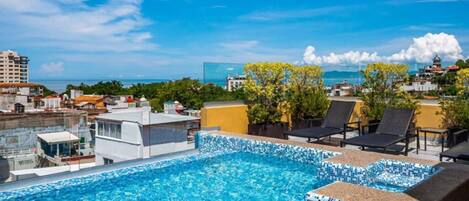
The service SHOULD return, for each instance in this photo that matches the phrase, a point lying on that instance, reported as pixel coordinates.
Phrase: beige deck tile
(351, 192)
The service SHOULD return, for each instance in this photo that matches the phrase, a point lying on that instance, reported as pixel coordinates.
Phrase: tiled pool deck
(359, 160)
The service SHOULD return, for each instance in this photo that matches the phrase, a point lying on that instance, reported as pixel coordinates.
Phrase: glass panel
(106, 130)
(118, 132)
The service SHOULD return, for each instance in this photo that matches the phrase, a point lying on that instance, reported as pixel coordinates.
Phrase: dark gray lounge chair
(460, 151)
(336, 122)
(393, 128)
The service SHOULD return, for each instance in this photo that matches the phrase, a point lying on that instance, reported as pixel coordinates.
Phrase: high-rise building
(13, 67)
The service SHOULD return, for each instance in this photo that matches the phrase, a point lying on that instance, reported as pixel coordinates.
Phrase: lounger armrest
(357, 123)
(460, 132)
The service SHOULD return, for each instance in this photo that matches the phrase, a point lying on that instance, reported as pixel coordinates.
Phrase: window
(100, 128)
(107, 129)
(108, 161)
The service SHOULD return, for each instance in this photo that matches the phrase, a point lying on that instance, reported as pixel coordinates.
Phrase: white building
(13, 67)
(19, 94)
(420, 86)
(140, 134)
(51, 102)
(75, 93)
(235, 82)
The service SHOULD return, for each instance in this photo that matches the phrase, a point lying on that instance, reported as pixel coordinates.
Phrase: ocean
(330, 78)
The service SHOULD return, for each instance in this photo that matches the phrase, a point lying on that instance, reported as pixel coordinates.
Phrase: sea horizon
(59, 85)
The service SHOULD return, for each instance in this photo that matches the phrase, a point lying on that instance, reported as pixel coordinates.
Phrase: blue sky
(169, 39)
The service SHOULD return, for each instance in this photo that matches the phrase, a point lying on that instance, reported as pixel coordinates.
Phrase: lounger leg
(406, 146)
(418, 143)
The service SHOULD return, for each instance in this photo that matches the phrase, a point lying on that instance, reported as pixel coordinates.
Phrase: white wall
(116, 150)
(135, 142)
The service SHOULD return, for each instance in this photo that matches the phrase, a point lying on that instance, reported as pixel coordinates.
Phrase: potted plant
(382, 89)
(456, 110)
(265, 93)
(306, 96)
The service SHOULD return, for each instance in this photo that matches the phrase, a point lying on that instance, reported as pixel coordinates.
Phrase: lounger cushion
(460, 151)
(374, 140)
(316, 132)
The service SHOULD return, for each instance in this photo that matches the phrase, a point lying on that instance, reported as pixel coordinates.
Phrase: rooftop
(9, 85)
(57, 137)
(138, 117)
(88, 98)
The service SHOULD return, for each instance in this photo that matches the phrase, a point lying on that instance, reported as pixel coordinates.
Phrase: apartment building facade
(14, 68)
(20, 135)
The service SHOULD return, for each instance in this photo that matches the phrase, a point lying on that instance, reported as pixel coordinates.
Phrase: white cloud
(53, 68)
(74, 25)
(421, 50)
(424, 48)
(290, 14)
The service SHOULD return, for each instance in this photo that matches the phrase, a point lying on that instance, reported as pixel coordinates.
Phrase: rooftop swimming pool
(228, 168)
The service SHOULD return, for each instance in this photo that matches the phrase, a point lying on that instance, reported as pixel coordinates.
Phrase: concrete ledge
(450, 184)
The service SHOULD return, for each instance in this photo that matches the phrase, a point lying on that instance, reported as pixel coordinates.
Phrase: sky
(170, 39)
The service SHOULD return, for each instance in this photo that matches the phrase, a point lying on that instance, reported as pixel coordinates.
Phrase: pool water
(231, 176)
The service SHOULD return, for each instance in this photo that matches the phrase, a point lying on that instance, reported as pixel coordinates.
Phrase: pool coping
(11, 186)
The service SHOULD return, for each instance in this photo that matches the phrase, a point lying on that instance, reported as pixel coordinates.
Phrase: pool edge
(11, 186)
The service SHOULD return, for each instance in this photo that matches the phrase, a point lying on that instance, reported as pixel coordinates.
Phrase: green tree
(456, 110)
(306, 94)
(265, 91)
(189, 92)
(383, 83)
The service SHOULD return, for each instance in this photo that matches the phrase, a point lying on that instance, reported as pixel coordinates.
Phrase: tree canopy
(189, 92)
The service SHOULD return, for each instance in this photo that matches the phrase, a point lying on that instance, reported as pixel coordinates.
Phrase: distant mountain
(341, 74)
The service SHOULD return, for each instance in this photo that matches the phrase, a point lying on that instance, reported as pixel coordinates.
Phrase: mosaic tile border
(206, 143)
(389, 175)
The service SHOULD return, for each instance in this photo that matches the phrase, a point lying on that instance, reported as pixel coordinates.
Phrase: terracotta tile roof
(88, 98)
(8, 85)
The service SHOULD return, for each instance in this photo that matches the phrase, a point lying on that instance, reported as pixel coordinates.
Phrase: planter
(253, 129)
(275, 130)
(306, 123)
(371, 128)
